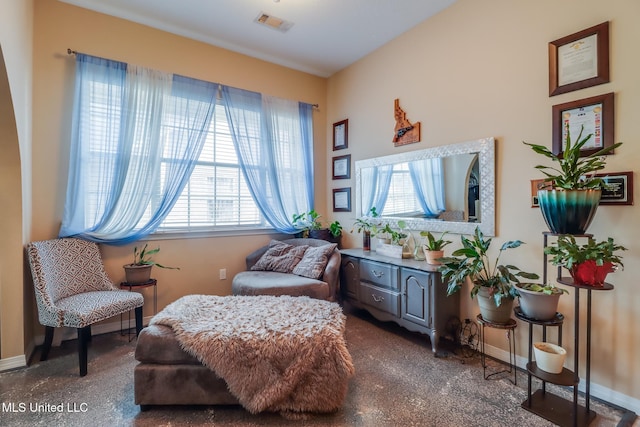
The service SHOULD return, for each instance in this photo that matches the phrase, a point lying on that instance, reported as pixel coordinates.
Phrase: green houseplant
(366, 225)
(433, 247)
(139, 271)
(492, 281)
(310, 225)
(571, 193)
(589, 263)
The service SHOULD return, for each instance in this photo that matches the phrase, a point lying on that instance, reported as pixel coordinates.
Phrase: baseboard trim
(597, 391)
(13, 363)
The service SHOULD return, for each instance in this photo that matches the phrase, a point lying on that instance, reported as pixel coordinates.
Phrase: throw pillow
(281, 257)
(314, 261)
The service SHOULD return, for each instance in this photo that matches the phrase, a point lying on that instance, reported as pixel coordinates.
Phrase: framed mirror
(446, 188)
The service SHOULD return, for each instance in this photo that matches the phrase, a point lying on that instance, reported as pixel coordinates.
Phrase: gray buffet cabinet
(407, 292)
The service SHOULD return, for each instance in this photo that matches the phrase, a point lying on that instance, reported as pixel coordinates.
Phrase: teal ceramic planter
(568, 211)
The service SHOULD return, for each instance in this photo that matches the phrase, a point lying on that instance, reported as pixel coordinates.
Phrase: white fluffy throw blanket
(282, 354)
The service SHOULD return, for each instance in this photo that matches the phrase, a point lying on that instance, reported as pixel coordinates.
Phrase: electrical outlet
(223, 274)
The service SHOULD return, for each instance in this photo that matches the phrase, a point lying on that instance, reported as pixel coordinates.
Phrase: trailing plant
(144, 257)
(566, 252)
(434, 244)
(472, 261)
(574, 171)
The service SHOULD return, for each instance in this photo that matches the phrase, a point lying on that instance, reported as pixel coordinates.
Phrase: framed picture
(341, 135)
(620, 191)
(536, 184)
(595, 114)
(342, 167)
(579, 60)
(342, 199)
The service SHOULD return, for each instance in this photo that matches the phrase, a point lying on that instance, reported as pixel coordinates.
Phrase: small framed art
(595, 114)
(620, 188)
(341, 135)
(342, 167)
(342, 199)
(579, 60)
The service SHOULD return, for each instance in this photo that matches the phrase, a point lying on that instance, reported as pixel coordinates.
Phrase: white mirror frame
(485, 148)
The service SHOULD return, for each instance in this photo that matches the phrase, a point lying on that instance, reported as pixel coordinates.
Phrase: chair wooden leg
(48, 340)
(83, 342)
(138, 320)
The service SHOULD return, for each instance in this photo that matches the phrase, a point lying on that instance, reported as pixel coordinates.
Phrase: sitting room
(217, 141)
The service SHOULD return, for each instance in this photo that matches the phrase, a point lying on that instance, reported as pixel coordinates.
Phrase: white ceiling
(327, 35)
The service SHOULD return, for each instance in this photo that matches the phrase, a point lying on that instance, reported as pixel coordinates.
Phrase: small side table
(511, 340)
(136, 287)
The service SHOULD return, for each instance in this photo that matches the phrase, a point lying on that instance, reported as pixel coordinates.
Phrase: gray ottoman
(166, 375)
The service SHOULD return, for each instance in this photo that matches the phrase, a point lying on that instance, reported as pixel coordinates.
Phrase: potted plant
(307, 222)
(139, 271)
(365, 225)
(335, 229)
(433, 248)
(571, 194)
(492, 282)
(539, 302)
(588, 264)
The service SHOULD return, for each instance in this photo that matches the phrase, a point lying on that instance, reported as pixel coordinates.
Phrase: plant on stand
(588, 264)
(433, 248)
(571, 194)
(139, 271)
(492, 282)
(539, 302)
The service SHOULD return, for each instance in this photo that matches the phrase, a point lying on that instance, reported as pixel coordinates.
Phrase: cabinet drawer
(384, 275)
(382, 299)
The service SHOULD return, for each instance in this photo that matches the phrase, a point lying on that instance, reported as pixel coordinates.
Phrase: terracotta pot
(432, 256)
(136, 274)
(590, 274)
(492, 313)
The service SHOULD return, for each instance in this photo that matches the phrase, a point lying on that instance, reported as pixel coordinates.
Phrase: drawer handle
(377, 298)
(378, 274)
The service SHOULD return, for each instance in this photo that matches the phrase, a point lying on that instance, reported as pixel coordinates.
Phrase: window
(216, 196)
(400, 200)
(157, 152)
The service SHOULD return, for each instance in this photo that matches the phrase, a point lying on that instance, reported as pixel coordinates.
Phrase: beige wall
(15, 141)
(479, 69)
(59, 26)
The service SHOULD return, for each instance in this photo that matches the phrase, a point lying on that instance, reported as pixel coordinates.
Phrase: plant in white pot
(433, 248)
(139, 271)
(539, 302)
(492, 282)
(589, 263)
(571, 194)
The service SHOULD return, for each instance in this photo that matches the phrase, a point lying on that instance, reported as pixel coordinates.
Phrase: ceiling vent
(273, 22)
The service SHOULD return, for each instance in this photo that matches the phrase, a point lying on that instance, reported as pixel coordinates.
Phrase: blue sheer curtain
(274, 143)
(375, 187)
(136, 135)
(428, 183)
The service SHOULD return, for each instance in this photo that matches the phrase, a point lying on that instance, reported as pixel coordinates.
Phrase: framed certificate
(342, 167)
(341, 135)
(594, 115)
(342, 199)
(579, 60)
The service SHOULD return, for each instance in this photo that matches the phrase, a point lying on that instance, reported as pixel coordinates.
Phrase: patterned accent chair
(72, 289)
